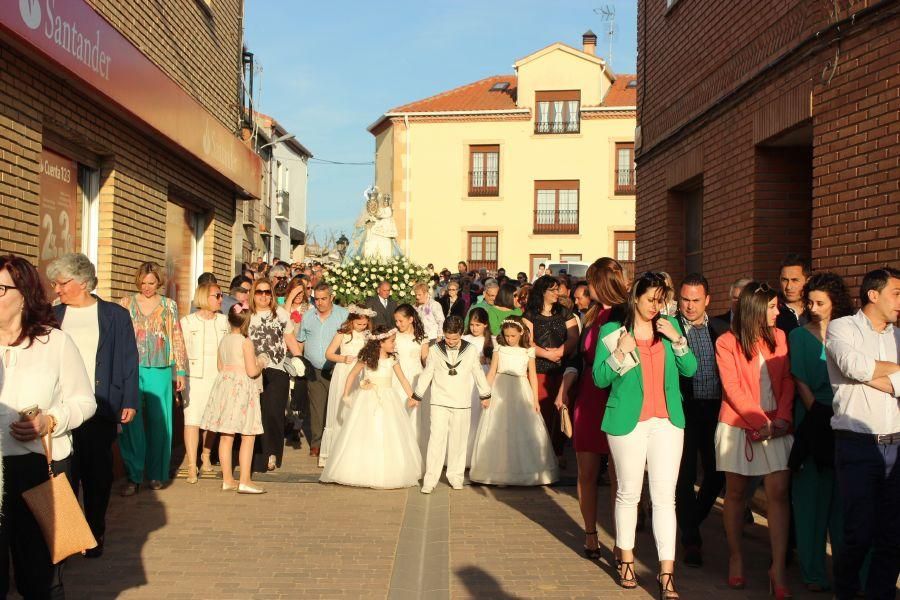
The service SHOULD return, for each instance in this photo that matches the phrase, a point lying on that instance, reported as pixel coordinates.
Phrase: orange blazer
(740, 382)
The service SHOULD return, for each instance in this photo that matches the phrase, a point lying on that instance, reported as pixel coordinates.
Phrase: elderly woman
(146, 442)
(45, 392)
(202, 330)
(103, 334)
(430, 312)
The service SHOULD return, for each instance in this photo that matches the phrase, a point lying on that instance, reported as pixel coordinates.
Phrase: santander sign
(83, 47)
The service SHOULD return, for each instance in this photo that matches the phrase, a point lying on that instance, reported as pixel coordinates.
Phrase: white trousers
(449, 437)
(658, 444)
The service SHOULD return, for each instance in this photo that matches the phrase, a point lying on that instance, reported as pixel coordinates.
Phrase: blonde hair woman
(146, 442)
(430, 312)
(203, 331)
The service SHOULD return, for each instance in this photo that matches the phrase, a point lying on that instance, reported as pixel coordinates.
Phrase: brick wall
(137, 176)
(760, 200)
(198, 47)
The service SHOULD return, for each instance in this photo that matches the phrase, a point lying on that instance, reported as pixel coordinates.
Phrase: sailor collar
(451, 367)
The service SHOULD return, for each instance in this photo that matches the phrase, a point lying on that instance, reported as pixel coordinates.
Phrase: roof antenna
(608, 15)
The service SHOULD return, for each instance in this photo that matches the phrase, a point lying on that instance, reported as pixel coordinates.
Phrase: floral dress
(233, 405)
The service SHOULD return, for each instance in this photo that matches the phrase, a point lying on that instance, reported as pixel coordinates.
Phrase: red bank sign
(80, 41)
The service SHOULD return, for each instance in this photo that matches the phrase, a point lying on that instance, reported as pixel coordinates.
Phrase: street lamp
(278, 140)
(341, 244)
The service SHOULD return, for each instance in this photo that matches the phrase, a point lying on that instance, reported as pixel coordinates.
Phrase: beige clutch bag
(58, 513)
(565, 422)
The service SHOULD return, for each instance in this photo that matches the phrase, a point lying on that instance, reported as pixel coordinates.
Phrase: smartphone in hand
(30, 413)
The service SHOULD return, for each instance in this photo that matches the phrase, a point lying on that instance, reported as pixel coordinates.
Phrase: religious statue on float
(378, 229)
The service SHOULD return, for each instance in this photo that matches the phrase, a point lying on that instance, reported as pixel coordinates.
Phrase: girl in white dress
(376, 447)
(512, 446)
(342, 351)
(479, 335)
(233, 406)
(412, 350)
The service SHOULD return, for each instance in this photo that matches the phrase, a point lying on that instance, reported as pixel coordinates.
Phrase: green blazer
(623, 410)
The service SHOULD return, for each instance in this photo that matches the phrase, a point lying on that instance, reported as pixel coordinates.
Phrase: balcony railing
(283, 200)
(484, 183)
(556, 221)
(625, 183)
(250, 213)
(571, 126)
(265, 224)
(477, 265)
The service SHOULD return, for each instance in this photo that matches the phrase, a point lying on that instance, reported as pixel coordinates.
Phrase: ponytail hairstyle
(479, 315)
(749, 324)
(418, 327)
(239, 318)
(642, 284)
(514, 322)
(371, 352)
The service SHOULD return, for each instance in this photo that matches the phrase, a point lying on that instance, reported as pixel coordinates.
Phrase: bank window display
(68, 213)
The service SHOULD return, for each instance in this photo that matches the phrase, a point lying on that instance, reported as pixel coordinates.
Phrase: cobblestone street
(305, 539)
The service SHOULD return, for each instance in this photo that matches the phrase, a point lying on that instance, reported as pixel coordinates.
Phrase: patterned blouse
(159, 339)
(267, 330)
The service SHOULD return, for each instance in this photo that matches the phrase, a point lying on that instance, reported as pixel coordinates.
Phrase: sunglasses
(762, 289)
(217, 296)
(263, 292)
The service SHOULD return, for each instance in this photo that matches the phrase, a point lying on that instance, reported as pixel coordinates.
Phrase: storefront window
(184, 253)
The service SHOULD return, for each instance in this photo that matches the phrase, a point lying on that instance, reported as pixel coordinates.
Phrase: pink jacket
(740, 382)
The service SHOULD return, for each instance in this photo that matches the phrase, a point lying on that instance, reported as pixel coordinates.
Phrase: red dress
(590, 402)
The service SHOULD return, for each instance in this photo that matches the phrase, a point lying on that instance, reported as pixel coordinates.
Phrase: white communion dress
(512, 446)
(351, 344)
(376, 447)
(409, 355)
(478, 342)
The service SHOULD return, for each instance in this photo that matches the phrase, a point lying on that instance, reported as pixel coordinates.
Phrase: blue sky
(330, 69)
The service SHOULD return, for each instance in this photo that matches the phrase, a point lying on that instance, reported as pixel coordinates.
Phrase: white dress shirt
(852, 346)
(51, 374)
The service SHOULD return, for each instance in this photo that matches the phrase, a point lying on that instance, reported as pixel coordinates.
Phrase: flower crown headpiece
(382, 336)
(361, 310)
(515, 324)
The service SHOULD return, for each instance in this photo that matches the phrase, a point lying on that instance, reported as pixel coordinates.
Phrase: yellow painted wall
(561, 70)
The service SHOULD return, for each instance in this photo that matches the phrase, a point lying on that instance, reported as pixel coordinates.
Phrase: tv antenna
(608, 16)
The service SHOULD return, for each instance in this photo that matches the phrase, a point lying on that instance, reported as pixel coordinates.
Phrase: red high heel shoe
(780, 592)
(737, 583)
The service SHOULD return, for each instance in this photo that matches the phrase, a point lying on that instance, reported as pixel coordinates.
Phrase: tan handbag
(565, 423)
(58, 514)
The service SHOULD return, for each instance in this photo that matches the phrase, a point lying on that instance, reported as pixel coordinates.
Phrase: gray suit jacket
(384, 316)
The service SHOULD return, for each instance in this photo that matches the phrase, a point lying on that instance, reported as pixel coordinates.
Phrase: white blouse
(51, 374)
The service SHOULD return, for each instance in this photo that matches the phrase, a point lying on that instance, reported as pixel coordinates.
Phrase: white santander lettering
(83, 48)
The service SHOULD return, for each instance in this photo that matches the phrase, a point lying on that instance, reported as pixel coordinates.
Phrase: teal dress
(814, 493)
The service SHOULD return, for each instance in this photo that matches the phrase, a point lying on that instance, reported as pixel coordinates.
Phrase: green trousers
(146, 442)
(817, 516)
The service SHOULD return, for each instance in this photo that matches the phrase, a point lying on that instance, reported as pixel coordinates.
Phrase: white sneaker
(426, 490)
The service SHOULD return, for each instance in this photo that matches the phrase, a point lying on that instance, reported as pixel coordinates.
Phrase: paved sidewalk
(308, 540)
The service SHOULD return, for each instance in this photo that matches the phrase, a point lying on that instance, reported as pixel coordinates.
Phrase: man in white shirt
(862, 353)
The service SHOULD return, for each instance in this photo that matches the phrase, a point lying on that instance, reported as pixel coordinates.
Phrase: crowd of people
(792, 388)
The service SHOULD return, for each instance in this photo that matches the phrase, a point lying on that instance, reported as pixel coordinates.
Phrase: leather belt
(881, 439)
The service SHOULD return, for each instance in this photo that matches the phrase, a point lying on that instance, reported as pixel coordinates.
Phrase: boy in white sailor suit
(452, 363)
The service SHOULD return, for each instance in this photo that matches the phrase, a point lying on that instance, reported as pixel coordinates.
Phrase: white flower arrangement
(358, 280)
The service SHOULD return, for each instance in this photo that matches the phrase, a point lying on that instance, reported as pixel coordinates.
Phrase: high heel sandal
(192, 474)
(780, 592)
(629, 583)
(592, 553)
(667, 590)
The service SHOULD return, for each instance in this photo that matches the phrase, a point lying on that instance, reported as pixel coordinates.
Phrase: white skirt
(376, 447)
(334, 408)
(734, 454)
(512, 446)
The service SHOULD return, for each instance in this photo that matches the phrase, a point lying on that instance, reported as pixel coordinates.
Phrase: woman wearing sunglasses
(753, 437)
(203, 330)
(146, 442)
(272, 334)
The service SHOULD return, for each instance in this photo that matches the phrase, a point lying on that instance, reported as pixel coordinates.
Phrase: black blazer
(383, 316)
(116, 369)
(717, 327)
(725, 318)
(458, 308)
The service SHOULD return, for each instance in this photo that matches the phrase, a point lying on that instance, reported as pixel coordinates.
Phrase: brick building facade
(767, 128)
(118, 124)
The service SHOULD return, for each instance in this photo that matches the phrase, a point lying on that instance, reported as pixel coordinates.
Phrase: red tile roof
(620, 94)
(474, 96)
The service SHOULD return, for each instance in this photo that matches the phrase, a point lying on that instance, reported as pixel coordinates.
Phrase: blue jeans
(869, 487)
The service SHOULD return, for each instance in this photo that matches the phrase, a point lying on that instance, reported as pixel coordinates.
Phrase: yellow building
(515, 170)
